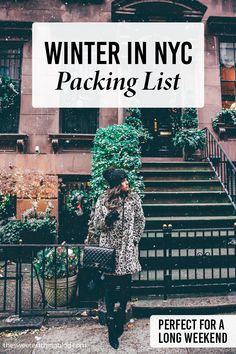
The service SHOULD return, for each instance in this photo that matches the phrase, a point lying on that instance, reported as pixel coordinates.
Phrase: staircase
(185, 194)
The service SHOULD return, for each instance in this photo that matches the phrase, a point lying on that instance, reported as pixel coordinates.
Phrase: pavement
(87, 336)
(84, 334)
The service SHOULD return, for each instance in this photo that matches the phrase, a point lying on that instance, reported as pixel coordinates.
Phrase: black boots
(112, 332)
(120, 321)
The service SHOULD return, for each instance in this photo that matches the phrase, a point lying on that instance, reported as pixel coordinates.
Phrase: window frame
(227, 39)
(62, 124)
(18, 45)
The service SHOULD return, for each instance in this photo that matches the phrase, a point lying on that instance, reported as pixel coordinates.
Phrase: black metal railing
(25, 287)
(222, 164)
(184, 261)
(173, 262)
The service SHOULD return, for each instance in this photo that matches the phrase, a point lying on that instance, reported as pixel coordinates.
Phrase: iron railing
(173, 262)
(185, 261)
(222, 165)
(24, 288)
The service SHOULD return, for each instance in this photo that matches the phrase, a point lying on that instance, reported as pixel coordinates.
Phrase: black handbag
(99, 258)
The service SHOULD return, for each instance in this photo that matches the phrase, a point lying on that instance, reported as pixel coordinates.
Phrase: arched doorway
(157, 10)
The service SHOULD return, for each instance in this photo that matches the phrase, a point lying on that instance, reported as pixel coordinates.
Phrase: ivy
(118, 146)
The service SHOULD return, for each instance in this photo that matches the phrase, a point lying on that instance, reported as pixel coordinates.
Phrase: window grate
(79, 120)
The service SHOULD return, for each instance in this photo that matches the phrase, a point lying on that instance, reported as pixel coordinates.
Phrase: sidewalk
(88, 336)
(81, 334)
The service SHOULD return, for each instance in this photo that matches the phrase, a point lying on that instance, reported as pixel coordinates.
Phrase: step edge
(183, 181)
(189, 204)
(187, 192)
(206, 217)
(178, 171)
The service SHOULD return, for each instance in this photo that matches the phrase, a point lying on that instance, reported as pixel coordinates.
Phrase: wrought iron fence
(184, 261)
(222, 164)
(173, 262)
(26, 287)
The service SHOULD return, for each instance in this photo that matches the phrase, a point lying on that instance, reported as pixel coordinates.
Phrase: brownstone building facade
(58, 141)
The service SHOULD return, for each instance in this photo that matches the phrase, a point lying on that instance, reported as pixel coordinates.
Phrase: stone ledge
(145, 307)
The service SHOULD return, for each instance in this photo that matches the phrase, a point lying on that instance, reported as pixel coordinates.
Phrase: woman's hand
(111, 217)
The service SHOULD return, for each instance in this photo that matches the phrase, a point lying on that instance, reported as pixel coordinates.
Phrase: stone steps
(192, 304)
(188, 209)
(178, 175)
(190, 222)
(185, 197)
(182, 185)
(172, 166)
(184, 194)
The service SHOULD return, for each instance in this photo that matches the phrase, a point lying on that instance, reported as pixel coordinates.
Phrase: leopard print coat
(124, 235)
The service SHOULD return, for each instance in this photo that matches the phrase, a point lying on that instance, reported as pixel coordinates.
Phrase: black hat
(114, 176)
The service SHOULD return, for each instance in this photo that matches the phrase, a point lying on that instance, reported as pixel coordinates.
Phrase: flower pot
(187, 156)
(59, 297)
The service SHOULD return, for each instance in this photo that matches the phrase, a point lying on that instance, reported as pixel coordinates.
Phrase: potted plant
(224, 122)
(58, 266)
(226, 117)
(190, 141)
(188, 137)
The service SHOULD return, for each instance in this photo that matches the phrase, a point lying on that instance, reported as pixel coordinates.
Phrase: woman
(118, 222)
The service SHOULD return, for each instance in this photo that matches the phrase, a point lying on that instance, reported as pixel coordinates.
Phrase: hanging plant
(8, 93)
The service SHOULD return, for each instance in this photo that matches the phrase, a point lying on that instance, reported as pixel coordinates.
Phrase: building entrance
(159, 122)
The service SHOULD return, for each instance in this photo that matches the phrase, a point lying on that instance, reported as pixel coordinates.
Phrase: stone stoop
(184, 305)
(186, 195)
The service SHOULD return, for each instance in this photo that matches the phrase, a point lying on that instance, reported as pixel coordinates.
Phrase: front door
(159, 123)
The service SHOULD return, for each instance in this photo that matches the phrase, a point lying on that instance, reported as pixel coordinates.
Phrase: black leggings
(112, 284)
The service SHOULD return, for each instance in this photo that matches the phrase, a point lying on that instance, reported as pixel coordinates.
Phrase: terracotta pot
(59, 297)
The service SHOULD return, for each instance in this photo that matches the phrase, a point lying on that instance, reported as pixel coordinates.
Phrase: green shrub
(189, 118)
(143, 133)
(117, 146)
(175, 119)
(78, 202)
(191, 140)
(57, 262)
(188, 137)
(32, 231)
(225, 116)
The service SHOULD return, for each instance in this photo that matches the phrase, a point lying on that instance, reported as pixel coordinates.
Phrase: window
(10, 66)
(228, 73)
(79, 120)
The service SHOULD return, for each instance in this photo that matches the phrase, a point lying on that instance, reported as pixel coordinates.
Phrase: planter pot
(187, 156)
(59, 297)
(198, 155)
